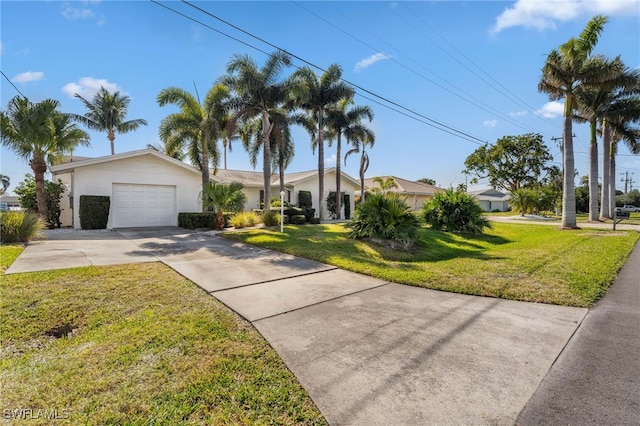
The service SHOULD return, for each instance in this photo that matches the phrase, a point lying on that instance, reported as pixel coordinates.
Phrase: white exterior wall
(311, 185)
(98, 179)
(66, 213)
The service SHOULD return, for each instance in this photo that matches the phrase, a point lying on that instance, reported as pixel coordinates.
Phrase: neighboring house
(416, 193)
(491, 199)
(148, 188)
(9, 203)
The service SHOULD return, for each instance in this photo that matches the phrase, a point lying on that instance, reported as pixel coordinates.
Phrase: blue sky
(473, 66)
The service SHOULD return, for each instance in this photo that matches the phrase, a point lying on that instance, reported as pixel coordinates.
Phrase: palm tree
(172, 151)
(257, 92)
(40, 134)
(348, 123)
(319, 94)
(223, 198)
(196, 127)
(360, 143)
(565, 70)
(106, 112)
(385, 184)
(5, 181)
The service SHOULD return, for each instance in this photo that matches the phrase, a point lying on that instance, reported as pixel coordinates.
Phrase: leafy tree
(26, 191)
(565, 70)
(106, 112)
(40, 134)
(258, 92)
(318, 94)
(455, 211)
(223, 198)
(195, 127)
(632, 197)
(427, 181)
(5, 181)
(386, 218)
(510, 164)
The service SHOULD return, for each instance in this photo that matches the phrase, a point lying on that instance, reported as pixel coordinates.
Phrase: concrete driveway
(367, 351)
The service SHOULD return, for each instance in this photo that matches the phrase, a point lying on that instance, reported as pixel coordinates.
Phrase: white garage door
(143, 205)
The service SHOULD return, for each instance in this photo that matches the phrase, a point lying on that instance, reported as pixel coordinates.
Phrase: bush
(315, 220)
(298, 219)
(94, 211)
(244, 219)
(189, 220)
(455, 211)
(271, 218)
(305, 200)
(53, 191)
(385, 217)
(20, 227)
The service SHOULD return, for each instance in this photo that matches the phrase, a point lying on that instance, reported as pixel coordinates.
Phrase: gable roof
(405, 186)
(255, 178)
(72, 165)
(490, 194)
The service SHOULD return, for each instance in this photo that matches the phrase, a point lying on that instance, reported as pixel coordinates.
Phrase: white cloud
(518, 113)
(25, 77)
(367, 62)
(331, 161)
(490, 123)
(543, 14)
(87, 87)
(551, 109)
(81, 10)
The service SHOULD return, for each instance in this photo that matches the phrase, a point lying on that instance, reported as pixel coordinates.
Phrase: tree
(427, 181)
(106, 112)
(347, 122)
(172, 151)
(5, 181)
(257, 92)
(455, 211)
(512, 163)
(385, 184)
(565, 70)
(195, 127)
(26, 191)
(40, 134)
(318, 93)
(360, 143)
(223, 198)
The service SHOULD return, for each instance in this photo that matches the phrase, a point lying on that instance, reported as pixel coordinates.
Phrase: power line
(11, 83)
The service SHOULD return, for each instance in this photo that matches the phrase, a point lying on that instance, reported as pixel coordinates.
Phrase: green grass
(137, 344)
(534, 263)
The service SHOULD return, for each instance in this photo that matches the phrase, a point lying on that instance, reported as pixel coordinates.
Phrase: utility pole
(561, 146)
(628, 181)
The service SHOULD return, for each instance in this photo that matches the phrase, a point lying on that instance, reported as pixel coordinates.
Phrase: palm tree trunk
(266, 159)
(605, 212)
(612, 177)
(320, 166)
(39, 167)
(205, 164)
(593, 174)
(338, 176)
(112, 137)
(362, 176)
(281, 170)
(225, 153)
(568, 185)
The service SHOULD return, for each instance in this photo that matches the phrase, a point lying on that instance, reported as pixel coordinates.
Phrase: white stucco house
(491, 199)
(415, 193)
(148, 188)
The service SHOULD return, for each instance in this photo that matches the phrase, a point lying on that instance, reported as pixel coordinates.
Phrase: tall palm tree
(257, 92)
(195, 127)
(565, 70)
(318, 94)
(172, 151)
(360, 143)
(5, 181)
(40, 134)
(347, 122)
(106, 112)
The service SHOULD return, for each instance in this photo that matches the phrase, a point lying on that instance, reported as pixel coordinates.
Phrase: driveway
(367, 351)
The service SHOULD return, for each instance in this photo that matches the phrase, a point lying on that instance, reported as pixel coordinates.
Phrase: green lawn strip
(534, 263)
(138, 344)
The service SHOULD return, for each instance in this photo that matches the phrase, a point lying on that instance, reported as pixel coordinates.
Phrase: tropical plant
(566, 69)
(172, 151)
(5, 181)
(26, 191)
(244, 219)
(196, 127)
(20, 227)
(360, 143)
(223, 198)
(388, 218)
(455, 211)
(257, 92)
(271, 218)
(533, 200)
(385, 184)
(318, 94)
(106, 112)
(347, 122)
(40, 134)
(427, 181)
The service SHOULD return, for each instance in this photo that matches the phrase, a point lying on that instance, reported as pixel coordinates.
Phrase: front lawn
(135, 344)
(534, 263)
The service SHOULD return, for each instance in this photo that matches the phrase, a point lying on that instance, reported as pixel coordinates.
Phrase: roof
(255, 178)
(405, 186)
(490, 194)
(72, 165)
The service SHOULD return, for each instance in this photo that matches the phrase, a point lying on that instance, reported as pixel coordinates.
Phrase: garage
(134, 205)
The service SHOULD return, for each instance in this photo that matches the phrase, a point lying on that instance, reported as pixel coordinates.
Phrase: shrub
(195, 220)
(271, 218)
(53, 191)
(332, 206)
(298, 219)
(385, 217)
(304, 199)
(94, 211)
(315, 220)
(244, 219)
(455, 211)
(20, 227)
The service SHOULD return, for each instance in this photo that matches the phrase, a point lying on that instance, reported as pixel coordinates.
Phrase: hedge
(304, 199)
(94, 211)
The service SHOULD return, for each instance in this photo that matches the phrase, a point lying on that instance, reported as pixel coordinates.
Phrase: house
(491, 199)
(149, 188)
(416, 193)
(9, 203)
